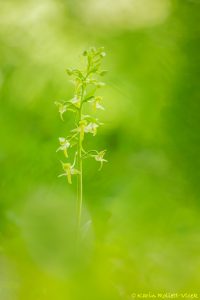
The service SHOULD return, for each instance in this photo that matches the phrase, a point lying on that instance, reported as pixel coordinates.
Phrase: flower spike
(86, 84)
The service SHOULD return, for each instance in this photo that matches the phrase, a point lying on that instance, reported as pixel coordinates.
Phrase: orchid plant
(86, 85)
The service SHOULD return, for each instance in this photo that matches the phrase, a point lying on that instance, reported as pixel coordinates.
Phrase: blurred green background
(141, 223)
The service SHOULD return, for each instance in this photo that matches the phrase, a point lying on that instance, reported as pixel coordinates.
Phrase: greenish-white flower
(95, 82)
(62, 108)
(76, 101)
(87, 126)
(100, 157)
(81, 128)
(64, 145)
(92, 128)
(69, 170)
(96, 103)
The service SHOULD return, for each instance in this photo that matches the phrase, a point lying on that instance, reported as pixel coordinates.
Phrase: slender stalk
(80, 179)
(80, 168)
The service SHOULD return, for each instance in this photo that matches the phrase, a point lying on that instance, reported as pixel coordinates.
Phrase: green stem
(80, 168)
(79, 160)
(80, 180)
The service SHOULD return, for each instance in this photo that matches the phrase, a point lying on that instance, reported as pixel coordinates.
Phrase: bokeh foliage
(141, 212)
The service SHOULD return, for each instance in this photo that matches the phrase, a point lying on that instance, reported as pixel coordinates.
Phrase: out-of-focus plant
(86, 85)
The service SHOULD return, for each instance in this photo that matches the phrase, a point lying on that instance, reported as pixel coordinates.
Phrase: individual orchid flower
(99, 84)
(92, 128)
(76, 101)
(81, 128)
(69, 170)
(93, 124)
(87, 127)
(96, 103)
(96, 83)
(62, 108)
(64, 145)
(100, 157)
